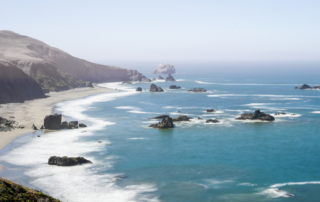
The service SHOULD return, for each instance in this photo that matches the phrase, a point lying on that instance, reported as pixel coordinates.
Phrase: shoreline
(34, 111)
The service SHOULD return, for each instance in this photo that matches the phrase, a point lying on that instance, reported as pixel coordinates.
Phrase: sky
(170, 31)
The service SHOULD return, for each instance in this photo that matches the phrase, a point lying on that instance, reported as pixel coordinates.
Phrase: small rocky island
(67, 161)
(164, 69)
(139, 89)
(257, 115)
(170, 78)
(212, 121)
(166, 122)
(197, 90)
(160, 77)
(154, 88)
(174, 87)
(305, 86)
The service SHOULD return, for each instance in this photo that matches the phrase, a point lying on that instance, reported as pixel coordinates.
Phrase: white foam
(316, 112)
(246, 184)
(136, 138)
(246, 84)
(294, 183)
(276, 193)
(261, 95)
(128, 107)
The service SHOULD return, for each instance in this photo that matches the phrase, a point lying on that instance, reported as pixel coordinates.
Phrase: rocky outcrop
(11, 191)
(52, 122)
(160, 77)
(174, 87)
(29, 54)
(154, 88)
(212, 121)
(165, 123)
(164, 69)
(67, 161)
(197, 90)
(257, 115)
(305, 86)
(139, 89)
(82, 125)
(170, 78)
(181, 118)
(210, 110)
(8, 125)
(17, 86)
(73, 124)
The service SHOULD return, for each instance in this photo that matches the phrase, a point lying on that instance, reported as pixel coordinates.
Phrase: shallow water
(229, 161)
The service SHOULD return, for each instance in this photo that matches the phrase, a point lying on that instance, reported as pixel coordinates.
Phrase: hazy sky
(166, 31)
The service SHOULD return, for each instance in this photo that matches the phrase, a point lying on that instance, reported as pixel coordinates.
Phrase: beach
(33, 111)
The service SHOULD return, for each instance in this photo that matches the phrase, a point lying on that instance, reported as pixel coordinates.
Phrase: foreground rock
(154, 88)
(11, 191)
(210, 110)
(305, 86)
(174, 87)
(139, 89)
(160, 77)
(181, 118)
(164, 69)
(67, 161)
(165, 123)
(257, 115)
(212, 121)
(52, 122)
(170, 78)
(197, 90)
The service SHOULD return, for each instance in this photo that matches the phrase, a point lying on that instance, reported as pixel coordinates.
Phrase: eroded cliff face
(27, 52)
(17, 86)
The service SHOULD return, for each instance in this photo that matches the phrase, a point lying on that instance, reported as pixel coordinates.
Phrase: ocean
(232, 160)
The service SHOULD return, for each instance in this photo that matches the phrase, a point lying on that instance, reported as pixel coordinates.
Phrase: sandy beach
(34, 111)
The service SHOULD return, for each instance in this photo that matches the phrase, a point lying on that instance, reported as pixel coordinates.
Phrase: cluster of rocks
(197, 90)
(182, 118)
(257, 115)
(281, 113)
(67, 161)
(154, 88)
(166, 122)
(53, 122)
(8, 125)
(305, 86)
(174, 87)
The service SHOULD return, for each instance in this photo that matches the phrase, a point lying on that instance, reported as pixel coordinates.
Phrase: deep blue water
(230, 161)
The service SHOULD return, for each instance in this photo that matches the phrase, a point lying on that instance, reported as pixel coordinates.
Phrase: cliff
(27, 53)
(17, 86)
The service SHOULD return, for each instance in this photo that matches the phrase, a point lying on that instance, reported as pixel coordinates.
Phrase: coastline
(33, 111)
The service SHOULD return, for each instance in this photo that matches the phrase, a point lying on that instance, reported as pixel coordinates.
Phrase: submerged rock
(52, 122)
(154, 88)
(139, 89)
(170, 78)
(165, 123)
(257, 115)
(210, 110)
(182, 118)
(67, 161)
(197, 90)
(212, 121)
(174, 87)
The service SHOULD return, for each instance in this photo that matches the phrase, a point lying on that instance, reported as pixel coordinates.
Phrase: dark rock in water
(210, 110)
(174, 87)
(161, 117)
(257, 115)
(281, 113)
(139, 89)
(42, 127)
(296, 87)
(154, 88)
(305, 86)
(212, 121)
(182, 118)
(82, 125)
(178, 112)
(52, 122)
(34, 127)
(170, 78)
(197, 90)
(199, 118)
(160, 77)
(73, 124)
(165, 123)
(67, 161)
(126, 82)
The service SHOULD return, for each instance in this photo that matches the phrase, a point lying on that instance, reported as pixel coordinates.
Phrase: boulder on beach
(170, 78)
(34, 127)
(52, 122)
(210, 110)
(160, 77)
(174, 87)
(67, 161)
(154, 88)
(257, 115)
(139, 89)
(182, 118)
(165, 123)
(197, 90)
(212, 121)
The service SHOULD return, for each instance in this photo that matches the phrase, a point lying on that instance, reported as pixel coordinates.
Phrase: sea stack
(170, 78)
(160, 77)
(257, 115)
(154, 88)
(164, 69)
(52, 122)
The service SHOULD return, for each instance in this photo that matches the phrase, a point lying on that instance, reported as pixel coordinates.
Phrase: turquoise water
(230, 161)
